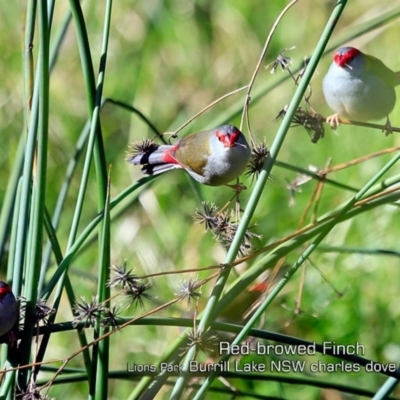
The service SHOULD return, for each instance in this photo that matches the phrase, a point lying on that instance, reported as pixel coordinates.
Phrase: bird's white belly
(359, 99)
(223, 167)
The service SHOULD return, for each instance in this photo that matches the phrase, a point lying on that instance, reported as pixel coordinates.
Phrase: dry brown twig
(259, 63)
(175, 133)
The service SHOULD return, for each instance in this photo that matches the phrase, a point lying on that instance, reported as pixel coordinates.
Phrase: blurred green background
(169, 59)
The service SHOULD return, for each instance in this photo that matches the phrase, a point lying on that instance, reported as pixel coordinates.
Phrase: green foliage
(164, 61)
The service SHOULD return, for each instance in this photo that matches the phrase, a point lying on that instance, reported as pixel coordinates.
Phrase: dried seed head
(188, 290)
(219, 223)
(122, 277)
(110, 318)
(312, 122)
(87, 312)
(43, 311)
(141, 147)
(204, 341)
(32, 393)
(259, 154)
(281, 61)
(208, 217)
(138, 293)
(22, 311)
(295, 186)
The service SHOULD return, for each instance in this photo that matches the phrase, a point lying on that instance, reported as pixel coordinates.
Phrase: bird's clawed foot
(333, 121)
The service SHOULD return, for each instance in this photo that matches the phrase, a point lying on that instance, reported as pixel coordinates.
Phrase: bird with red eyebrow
(8, 310)
(213, 157)
(359, 87)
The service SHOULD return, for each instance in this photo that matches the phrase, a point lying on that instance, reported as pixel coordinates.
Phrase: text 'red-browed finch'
(213, 157)
(359, 87)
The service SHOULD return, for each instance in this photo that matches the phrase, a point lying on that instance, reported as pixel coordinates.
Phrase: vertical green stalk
(100, 359)
(62, 195)
(51, 226)
(38, 190)
(28, 59)
(100, 383)
(31, 103)
(54, 51)
(94, 104)
(95, 144)
(7, 212)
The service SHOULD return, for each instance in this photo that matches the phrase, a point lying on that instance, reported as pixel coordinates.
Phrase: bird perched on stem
(213, 157)
(8, 309)
(359, 87)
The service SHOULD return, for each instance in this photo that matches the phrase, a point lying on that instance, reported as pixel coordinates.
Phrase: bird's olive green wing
(390, 77)
(193, 151)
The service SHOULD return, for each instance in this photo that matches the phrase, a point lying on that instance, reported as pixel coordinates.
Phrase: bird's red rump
(168, 157)
(228, 139)
(259, 287)
(344, 56)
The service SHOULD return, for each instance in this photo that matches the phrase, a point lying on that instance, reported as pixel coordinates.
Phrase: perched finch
(213, 157)
(359, 87)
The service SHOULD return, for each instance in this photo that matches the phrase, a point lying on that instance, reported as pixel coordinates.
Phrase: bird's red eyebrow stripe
(227, 140)
(234, 135)
(343, 59)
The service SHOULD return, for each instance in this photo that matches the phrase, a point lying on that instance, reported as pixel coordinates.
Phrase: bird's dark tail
(152, 160)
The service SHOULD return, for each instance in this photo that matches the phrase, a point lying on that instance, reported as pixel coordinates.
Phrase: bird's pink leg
(237, 187)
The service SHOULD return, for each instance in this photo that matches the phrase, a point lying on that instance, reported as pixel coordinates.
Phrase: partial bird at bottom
(8, 309)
